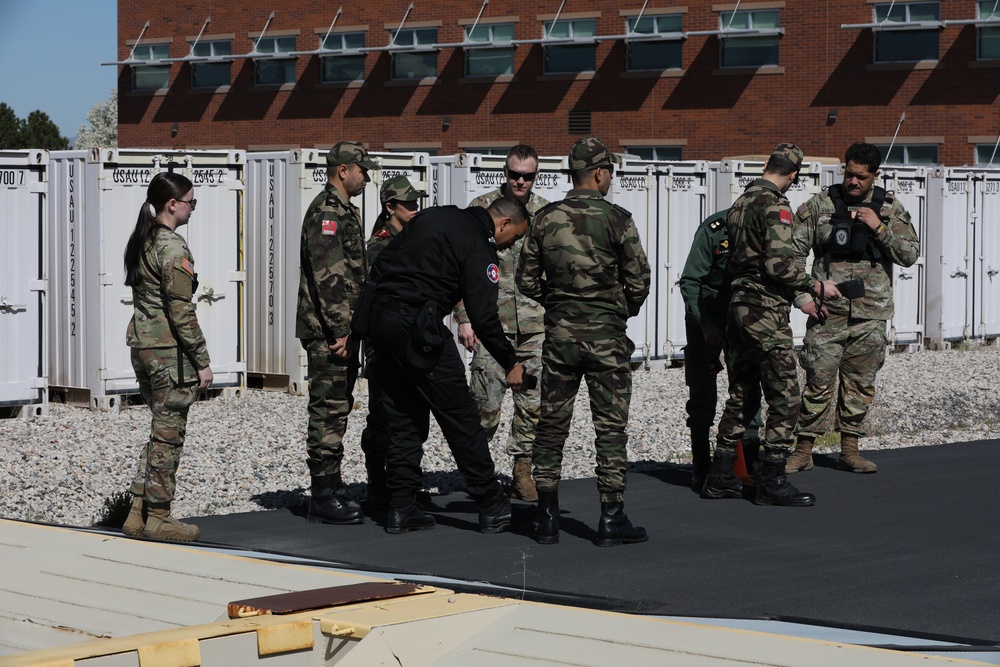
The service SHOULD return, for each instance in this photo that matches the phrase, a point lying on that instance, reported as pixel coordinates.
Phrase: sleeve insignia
(493, 273)
(785, 216)
(187, 266)
(382, 233)
(329, 227)
(803, 211)
(716, 224)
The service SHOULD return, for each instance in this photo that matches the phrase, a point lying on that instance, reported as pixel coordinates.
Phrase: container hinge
(39, 188)
(237, 276)
(235, 185)
(41, 285)
(105, 184)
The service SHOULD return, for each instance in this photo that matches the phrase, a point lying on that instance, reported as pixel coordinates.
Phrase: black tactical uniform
(445, 254)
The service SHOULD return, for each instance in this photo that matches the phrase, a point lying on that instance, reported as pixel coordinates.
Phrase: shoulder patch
(493, 273)
(329, 227)
(785, 216)
(716, 224)
(382, 233)
(803, 210)
(187, 266)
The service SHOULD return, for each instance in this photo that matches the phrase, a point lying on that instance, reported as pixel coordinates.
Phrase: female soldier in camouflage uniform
(169, 353)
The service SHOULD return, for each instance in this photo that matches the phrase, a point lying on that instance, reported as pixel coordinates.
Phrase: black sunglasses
(526, 175)
(190, 202)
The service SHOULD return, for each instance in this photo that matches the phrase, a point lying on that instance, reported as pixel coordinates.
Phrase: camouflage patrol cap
(590, 152)
(790, 152)
(400, 189)
(350, 152)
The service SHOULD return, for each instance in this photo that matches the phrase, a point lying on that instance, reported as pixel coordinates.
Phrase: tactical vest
(851, 240)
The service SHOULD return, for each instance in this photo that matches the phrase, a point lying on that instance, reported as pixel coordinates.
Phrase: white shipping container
(668, 200)
(909, 184)
(962, 245)
(281, 185)
(23, 287)
(95, 201)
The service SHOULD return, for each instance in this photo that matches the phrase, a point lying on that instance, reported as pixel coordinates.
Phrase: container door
(910, 187)
(987, 265)
(22, 278)
(952, 200)
(633, 188)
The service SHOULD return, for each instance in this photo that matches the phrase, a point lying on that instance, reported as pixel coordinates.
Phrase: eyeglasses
(190, 202)
(526, 175)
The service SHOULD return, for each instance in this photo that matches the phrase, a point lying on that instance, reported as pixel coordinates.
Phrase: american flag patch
(187, 265)
(330, 227)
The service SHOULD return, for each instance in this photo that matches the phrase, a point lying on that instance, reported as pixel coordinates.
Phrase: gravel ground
(247, 454)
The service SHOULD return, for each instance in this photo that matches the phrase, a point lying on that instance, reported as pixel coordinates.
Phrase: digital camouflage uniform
(583, 261)
(704, 286)
(332, 272)
(843, 356)
(522, 319)
(168, 349)
(765, 276)
(377, 437)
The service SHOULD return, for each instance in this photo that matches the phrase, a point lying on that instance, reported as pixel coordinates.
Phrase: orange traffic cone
(740, 466)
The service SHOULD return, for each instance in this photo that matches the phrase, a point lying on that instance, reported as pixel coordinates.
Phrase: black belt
(393, 305)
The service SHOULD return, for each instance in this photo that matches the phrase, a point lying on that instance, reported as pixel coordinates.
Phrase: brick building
(698, 80)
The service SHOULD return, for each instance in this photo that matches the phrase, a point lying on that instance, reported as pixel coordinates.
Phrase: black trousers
(410, 396)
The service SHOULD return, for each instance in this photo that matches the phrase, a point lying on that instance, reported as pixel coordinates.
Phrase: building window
(150, 77)
(660, 47)
(422, 62)
(658, 153)
(211, 75)
(571, 58)
(987, 155)
(274, 71)
(346, 67)
(490, 150)
(750, 50)
(989, 36)
(906, 43)
(496, 60)
(916, 154)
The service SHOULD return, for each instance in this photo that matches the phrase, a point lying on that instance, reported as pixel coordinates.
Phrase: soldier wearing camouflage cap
(522, 320)
(169, 352)
(332, 271)
(400, 202)
(582, 260)
(765, 276)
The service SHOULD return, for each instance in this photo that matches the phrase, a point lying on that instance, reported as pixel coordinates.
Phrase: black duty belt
(394, 305)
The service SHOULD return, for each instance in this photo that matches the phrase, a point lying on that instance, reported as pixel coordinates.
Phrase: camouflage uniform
(376, 437)
(522, 321)
(847, 352)
(168, 349)
(332, 271)
(583, 261)
(765, 276)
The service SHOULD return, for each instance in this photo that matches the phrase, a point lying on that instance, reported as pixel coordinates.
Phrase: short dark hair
(866, 154)
(510, 207)
(779, 164)
(521, 152)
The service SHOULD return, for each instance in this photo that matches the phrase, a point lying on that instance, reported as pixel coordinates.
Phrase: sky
(51, 53)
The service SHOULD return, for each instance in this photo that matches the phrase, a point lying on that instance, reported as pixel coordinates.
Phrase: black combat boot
(408, 517)
(701, 458)
(494, 510)
(331, 504)
(614, 529)
(377, 496)
(773, 487)
(547, 531)
(722, 481)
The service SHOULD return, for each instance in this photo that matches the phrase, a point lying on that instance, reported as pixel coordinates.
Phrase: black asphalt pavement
(914, 548)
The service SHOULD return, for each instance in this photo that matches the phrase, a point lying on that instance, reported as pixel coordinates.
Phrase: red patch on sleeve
(786, 217)
(330, 227)
(382, 233)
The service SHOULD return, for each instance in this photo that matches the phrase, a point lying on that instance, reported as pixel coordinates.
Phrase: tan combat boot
(161, 526)
(524, 485)
(135, 524)
(850, 459)
(801, 459)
